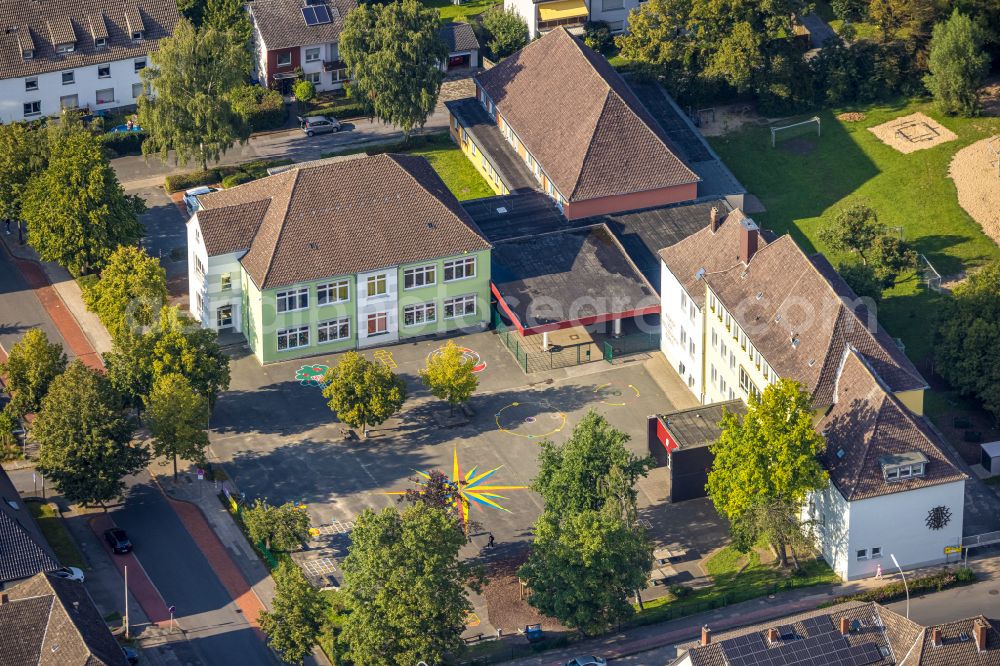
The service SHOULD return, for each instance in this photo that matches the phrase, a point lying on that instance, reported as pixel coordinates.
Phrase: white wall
(327, 52)
(526, 8)
(678, 330)
(13, 95)
(613, 12)
(831, 514)
(209, 285)
(389, 303)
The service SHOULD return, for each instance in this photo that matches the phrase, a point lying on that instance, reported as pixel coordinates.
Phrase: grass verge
(55, 532)
(449, 11)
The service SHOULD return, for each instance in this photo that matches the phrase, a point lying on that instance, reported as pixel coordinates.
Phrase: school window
(294, 299)
(732, 395)
(732, 360)
(139, 64)
(459, 269)
(876, 552)
(293, 338)
(67, 47)
(863, 554)
(462, 306)
(722, 347)
(333, 330)
(224, 316)
(691, 347)
(420, 276)
(314, 78)
(312, 55)
(68, 78)
(722, 385)
(715, 339)
(684, 300)
(376, 285)
(31, 84)
(285, 59)
(138, 35)
(101, 42)
(715, 373)
(692, 311)
(690, 382)
(199, 268)
(104, 71)
(421, 313)
(333, 292)
(680, 369)
(32, 108)
(226, 281)
(684, 336)
(106, 96)
(748, 386)
(378, 323)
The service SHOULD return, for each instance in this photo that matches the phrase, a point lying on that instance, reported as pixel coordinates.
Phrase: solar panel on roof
(316, 14)
(322, 14)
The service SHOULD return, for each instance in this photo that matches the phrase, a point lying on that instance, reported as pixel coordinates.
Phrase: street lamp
(905, 586)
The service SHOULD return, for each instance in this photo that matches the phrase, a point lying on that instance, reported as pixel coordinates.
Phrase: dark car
(118, 540)
(131, 656)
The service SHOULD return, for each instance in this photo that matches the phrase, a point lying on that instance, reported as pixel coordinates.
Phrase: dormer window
(66, 47)
(28, 54)
(101, 43)
(903, 466)
(138, 35)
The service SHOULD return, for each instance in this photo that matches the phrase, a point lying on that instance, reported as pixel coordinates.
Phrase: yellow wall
(482, 165)
(914, 400)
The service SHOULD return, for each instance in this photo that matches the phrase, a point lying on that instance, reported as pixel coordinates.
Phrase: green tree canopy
(958, 64)
(179, 344)
(283, 527)
(177, 419)
(84, 437)
(394, 54)
(405, 588)
(192, 73)
(76, 210)
(862, 279)
(232, 18)
(129, 369)
(449, 375)
(892, 257)
(505, 31)
(304, 91)
(770, 457)
(362, 393)
(23, 154)
(967, 346)
(854, 229)
(297, 615)
(31, 366)
(130, 293)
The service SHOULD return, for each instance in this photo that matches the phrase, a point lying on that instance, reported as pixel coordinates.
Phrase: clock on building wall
(938, 517)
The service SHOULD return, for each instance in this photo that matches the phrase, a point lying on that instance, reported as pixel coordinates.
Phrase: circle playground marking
(513, 421)
(478, 364)
(616, 396)
(311, 375)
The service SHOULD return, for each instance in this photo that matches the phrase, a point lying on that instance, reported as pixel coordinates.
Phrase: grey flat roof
(473, 117)
(699, 426)
(992, 449)
(580, 273)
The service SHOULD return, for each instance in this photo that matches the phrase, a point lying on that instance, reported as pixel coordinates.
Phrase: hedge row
(896, 590)
(261, 108)
(123, 143)
(242, 173)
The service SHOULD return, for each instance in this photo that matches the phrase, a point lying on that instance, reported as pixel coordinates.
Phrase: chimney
(979, 629)
(772, 635)
(713, 219)
(706, 635)
(4, 598)
(936, 636)
(845, 626)
(749, 233)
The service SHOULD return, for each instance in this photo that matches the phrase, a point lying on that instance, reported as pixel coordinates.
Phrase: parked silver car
(319, 125)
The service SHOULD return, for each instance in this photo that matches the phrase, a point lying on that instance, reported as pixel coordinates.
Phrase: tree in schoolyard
(362, 393)
(765, 465)
(958, 64)
(854, 229)
(85, 438)
(589, 554)
(31, 366)
(393, 54)
(405, 588)
(177, 417)
(297, 615)
(193, 71)
(449, 375)
(862, 279)
(130, 293)
(282, 527)
(76, 210)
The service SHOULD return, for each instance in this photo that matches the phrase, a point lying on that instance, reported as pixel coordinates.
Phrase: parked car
(131, 655)
(69, 573)
(587, 661)
(118, 540)
(191, 202)
(318, 124)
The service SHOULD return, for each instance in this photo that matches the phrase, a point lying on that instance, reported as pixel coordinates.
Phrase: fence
(633, 343)
(512, 341)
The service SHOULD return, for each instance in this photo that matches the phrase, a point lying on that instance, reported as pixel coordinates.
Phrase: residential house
(346, 254)
(545, 15)
(851, 633)
(585, 138)
(741, 309)
(52, 621)
(294, 38)
(463, 47)
(57, 54)
(24, 551)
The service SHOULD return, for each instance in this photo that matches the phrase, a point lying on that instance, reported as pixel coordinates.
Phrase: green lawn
(452, 12)
(803, 192)
(52, 527)
(454, 167)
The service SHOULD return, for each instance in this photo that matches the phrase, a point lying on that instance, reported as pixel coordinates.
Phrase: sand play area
(977, 179)
(911, 133)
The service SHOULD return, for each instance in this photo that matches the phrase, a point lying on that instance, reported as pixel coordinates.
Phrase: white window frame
(105, 68)
(316, 78)
(31, 84)
(374, 317)
(66, 47)
(329, 293)
(72, 77)
(340, 328)
(64, 98)
(417, 277)
(278, 59)
(295, 296)
(459, 265)
(101, 43)
(226, 282)
(97, 96)
(296, 334)
(684, 337)
(32, 105)
(313, 51)
(876, 553)
(375, 281)
(862, 554)
(139, 64)
(420, 314)
(218, 316)
(460, 301)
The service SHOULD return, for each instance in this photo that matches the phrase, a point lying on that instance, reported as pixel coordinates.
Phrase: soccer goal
(929, 274)
(795, 129)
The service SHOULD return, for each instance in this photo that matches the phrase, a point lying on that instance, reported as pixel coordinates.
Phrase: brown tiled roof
(867, 423)
(282, 25)
(346, 217)
(53, 622)
(41, 24)
(459, 37)
(231, 229)
(784, 295)
(955, 649)
(581, 121)
(23, 550)
(890, 632)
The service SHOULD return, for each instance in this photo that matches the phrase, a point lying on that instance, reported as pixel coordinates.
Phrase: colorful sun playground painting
(471, 488)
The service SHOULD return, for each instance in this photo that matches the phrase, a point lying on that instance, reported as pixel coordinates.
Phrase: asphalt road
(215, 627)
(20, 309)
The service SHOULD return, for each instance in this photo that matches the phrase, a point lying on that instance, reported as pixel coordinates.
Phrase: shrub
(259, 107)
(254, 170)
(237, 178)
(894, 591)
(597, 35)
(123, 143)
(8, 440)
(184, 181)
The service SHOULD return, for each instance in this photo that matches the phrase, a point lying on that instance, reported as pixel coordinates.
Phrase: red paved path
(139, 584)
